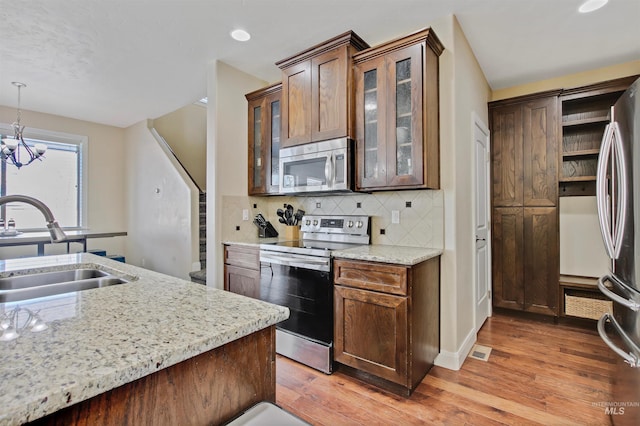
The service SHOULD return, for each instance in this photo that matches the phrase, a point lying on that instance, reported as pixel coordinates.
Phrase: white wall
(161, 208)
(463, 91)
(185, 130)
(581, 248)
(106, 180)
(227, 152)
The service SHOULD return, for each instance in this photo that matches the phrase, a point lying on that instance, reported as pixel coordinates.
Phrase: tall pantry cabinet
(524, 185)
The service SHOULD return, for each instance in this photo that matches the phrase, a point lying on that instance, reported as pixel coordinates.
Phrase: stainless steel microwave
(317, 167)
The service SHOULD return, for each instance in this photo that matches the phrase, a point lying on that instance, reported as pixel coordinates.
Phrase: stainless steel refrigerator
(618, 199)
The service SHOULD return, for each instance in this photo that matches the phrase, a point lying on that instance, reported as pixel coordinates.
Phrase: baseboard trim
(454, 360)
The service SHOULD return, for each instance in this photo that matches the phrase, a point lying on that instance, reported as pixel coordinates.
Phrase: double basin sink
(30, 286)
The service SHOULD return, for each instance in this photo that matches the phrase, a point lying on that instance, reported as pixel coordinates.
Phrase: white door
(482, 225)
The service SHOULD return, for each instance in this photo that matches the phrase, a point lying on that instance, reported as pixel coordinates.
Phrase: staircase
(200, 276)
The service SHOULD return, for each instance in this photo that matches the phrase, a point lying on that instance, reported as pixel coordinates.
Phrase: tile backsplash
(421, 214)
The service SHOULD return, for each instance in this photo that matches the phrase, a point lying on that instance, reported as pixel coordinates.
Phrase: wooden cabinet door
(507, 156)
(541, 260)
(296, 104)
(404, 117)
(257, 147)
(371, 124)
(540, 152)
(242, 281)
(371, 333)
(329, 73)
(264, 140)
(507, 257)
(272, 138)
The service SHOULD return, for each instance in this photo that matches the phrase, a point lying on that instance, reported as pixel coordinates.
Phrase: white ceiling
(118, 62)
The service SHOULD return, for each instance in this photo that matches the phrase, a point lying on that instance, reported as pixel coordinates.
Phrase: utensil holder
(292, 232)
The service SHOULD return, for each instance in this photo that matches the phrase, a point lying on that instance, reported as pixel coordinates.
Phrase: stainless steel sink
(30, 286)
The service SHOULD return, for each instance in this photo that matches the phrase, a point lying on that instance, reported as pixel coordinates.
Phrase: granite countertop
(100, 339)
(400, 255)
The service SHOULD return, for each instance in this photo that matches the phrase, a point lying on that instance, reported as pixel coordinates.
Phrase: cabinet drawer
(390, 279)
(242, 256)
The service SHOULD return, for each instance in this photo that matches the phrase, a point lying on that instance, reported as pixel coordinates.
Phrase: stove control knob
(359, 224)
(350, 224)
(307, 222)
(315, 222)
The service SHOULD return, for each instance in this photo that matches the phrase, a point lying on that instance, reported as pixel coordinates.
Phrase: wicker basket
(577, 304)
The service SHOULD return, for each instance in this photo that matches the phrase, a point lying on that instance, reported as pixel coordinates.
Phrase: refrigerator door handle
(628, 357)
(634, 306)
(621, 175)
(602, 198)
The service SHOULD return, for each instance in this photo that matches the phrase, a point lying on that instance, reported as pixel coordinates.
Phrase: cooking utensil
(281, 220)
(288, 214)
(298, 216)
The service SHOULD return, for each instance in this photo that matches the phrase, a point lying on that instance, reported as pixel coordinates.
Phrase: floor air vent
(480, 352)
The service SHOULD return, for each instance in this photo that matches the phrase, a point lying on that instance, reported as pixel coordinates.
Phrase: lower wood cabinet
(387, 321)
(242, 270)
(526, 259)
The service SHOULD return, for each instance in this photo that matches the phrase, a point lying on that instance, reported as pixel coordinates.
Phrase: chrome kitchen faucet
(57, 234)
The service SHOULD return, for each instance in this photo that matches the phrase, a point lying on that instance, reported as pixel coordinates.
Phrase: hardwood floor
(537, 373)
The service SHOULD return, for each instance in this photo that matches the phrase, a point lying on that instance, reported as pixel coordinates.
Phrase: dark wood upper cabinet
(397, 113)
(540, 151)
(524, 137)
(264, 140)
(507, 156)
(317, 91)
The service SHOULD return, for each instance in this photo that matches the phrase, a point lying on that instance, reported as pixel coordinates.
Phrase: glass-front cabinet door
(397, 133)
(389, 119)
(404, 132)
(371, 123)
(264, 140)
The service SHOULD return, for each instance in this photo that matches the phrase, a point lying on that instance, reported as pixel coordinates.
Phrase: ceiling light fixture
(240, 35)
(11, 147)
(591, 5)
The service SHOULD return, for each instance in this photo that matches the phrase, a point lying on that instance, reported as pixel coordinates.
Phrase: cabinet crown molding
(264, 91)
(347, 38)
(427, 35)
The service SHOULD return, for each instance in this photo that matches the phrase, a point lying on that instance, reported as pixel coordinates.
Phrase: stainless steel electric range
(298, 275)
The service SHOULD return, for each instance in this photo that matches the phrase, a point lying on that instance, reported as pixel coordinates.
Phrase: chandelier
(12, 148)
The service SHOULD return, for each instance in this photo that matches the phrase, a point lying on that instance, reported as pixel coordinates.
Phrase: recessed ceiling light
(240, 35)
(591, 5)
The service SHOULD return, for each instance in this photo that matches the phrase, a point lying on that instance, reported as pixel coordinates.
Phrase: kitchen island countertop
(99, 339)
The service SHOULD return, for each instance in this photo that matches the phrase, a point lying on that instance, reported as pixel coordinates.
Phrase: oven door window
(307, 294)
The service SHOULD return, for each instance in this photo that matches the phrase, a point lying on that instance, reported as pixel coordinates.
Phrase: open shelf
(586, 121)
(585, 114)
(578, 179)
(581, 153)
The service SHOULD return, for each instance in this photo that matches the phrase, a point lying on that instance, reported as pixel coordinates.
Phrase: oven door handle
(311, 263)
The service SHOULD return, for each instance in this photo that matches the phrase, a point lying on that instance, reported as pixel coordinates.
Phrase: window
(57, 181)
